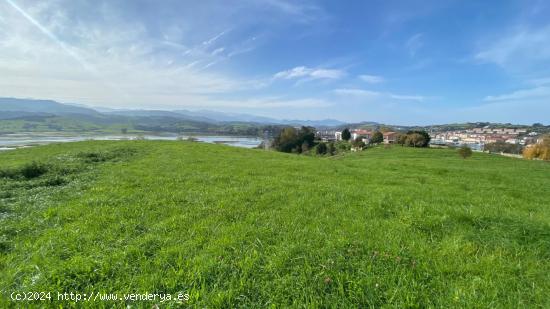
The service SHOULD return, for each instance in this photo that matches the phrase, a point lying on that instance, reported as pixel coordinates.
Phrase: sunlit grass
(236, 227)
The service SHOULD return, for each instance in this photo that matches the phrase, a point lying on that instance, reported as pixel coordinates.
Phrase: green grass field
(398, 227)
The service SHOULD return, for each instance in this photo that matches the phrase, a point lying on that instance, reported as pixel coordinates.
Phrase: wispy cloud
(214, 38)
(277, 102)
(135, 68)
(417, 98)
(540, 92)
(303, 11)
(523, 46)
(218, 51)
(414, 43)
(362, 93)
(372, 79)
(310, 73)
(357, 92)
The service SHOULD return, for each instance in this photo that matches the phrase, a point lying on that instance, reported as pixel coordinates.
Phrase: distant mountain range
(29, 106)
(182, 120)
(11, 108)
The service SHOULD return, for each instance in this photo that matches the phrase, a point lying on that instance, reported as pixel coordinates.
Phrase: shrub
(331, 149)
(33, 170)
(503, 147)
(358, 143)
(465, 152)
(54, 181)
(537, 151)
(93, 157)
(104, 156)
(7, 173)
(321, 149)
(343, 146)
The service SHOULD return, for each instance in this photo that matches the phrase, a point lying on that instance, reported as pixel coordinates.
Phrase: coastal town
(476, 138)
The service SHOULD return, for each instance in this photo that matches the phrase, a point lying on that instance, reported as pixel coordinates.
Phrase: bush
(321, 149)
(331, 149)
(8, 173)
(93, 157)
(33, 170)
(104, 156)
(503, 147)
(358, 143)
(465, 152)
(540, 150)
(343, 146)
(537, 151)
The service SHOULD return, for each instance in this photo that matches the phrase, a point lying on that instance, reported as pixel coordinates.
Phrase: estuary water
(22, 140)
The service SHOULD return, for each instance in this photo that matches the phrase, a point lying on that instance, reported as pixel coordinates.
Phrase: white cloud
(542, 92)
(48, 55)
(372, 79)
(407, 97)
(357, 92)
(309, 73)
(368, 94)
(214, 38)
(277, 102)
(218, 51)
(414, 43)
(520, 47)
(521, 106)
(540, 81)
(303, 11)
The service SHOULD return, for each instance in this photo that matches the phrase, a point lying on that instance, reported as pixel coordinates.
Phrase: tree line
(302, 140)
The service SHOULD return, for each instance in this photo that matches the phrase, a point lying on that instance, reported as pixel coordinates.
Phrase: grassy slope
(400, 226)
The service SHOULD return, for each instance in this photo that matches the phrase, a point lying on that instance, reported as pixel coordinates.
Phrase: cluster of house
(478, 137)
(363, 135)
(473, 138)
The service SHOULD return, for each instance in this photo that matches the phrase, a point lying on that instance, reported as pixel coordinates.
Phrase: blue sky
(399, 62)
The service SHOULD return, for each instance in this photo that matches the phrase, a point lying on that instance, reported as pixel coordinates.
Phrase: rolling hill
(42, 106)
(395, 227)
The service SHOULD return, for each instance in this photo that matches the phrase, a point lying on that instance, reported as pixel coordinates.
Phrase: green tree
(377, 138)
(402, 139)
(286, 139)
(321, 149)
(465, 152)
(346, 134)
(294, 140)
(414, 140)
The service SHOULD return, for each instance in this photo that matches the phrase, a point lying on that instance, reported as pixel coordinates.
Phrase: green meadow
(231, 227)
